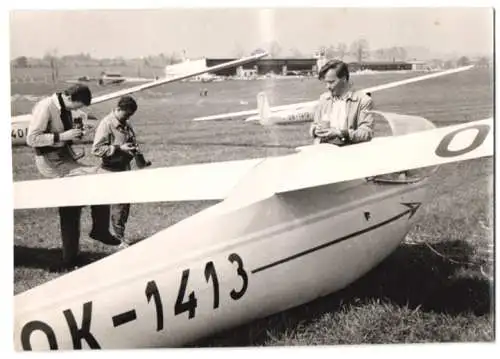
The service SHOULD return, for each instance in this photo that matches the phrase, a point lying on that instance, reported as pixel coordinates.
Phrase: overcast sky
(220, 32)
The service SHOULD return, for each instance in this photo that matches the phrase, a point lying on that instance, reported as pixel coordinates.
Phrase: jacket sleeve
(37, 129)
(102, 146)
(316, 118)
(364, 131)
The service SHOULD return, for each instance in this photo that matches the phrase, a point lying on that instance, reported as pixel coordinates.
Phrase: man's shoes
(71, 263)
(123, 245)
(106, 238)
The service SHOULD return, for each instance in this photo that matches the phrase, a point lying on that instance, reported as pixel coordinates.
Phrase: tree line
(359, 51)
(50, 59)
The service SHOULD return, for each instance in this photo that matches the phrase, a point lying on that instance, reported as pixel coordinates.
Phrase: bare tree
(436, 63)
(274, 49)
(322, 51)
(463, 61)
(396, 53)
(330, 52)
(341, 50)
(381, 54)
(238, 51)
(483, 61)
(295, 53)
(360, 48)
(401, 53)
(448, 64)
(174, 58)
(51, 57)
(21, 62)
(163, 59)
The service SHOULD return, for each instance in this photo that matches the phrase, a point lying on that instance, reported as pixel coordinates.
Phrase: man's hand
(72, 134)
(127, 147)
(327, 133)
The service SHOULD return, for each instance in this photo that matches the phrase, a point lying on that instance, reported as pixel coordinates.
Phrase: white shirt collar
(56, 101)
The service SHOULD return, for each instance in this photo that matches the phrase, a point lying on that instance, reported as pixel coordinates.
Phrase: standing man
(50, 133)
(342, 116)
(115, 144)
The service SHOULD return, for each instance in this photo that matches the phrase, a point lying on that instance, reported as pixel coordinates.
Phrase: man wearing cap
(51, 132)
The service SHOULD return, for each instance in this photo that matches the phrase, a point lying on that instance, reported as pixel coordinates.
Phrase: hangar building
(287, 66)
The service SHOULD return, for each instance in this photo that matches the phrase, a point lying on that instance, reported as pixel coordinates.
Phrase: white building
(246, 73)
(419, 65)
(185, 67)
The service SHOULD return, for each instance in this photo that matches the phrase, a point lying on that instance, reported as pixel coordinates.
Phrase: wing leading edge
(210, 181)
(317, 166)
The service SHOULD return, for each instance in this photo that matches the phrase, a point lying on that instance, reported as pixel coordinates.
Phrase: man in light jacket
(342, 116)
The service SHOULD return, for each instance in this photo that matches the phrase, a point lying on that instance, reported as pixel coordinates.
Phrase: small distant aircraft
(285, 231)
(208, 78)
(19, 128)
(304, 111)
(109, 78)
(81, 79)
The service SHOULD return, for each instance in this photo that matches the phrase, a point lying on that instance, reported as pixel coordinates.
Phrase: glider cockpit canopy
(393, 124)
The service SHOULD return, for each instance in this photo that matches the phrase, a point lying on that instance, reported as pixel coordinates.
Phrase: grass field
(44, 74)
(434, 288)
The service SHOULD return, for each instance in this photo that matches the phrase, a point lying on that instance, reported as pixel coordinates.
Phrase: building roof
(314, 60)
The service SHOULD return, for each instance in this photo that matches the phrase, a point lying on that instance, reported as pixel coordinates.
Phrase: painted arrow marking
(412, 209)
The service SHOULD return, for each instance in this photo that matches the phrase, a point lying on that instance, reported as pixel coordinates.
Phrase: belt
(335, 141)
(115, 167)
(48, 149)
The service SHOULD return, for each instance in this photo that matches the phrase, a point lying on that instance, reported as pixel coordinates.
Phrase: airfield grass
(436, 287)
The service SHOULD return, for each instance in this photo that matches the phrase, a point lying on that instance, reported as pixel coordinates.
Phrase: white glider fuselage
(19, 129)
(300, 115)
(292, 115)
(231, 263)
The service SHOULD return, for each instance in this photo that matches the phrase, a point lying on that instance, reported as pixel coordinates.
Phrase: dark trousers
(119, 217)
(119, 212)
(70, 228)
